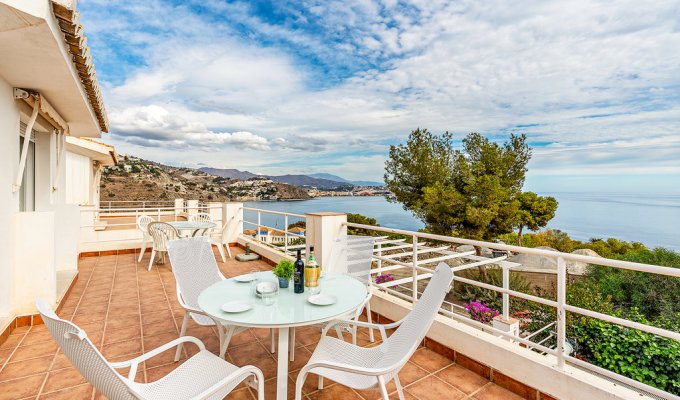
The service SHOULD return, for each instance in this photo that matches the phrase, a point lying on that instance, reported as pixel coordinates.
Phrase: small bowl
(266, 287)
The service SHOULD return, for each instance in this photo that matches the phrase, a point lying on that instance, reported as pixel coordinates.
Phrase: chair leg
(153, 256)
(271, 335)
(226, 338)
(299, 382)
(141, 251)
(228, 249)
(400, 391)
(182, 332)
(371, 337)
(320, 385)
(383, 388)
(292, 344)
(354, 335)
(260, 385)
(221, 250)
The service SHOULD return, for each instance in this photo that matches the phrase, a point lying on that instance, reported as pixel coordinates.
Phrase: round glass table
(195, 227)
(290, 310)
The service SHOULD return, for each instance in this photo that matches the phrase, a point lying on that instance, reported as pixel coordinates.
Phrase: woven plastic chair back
(143, 222)
(194, 266)
(201, 217)
(352, 255)
(411, 332)
(80, 351)
(161, 234)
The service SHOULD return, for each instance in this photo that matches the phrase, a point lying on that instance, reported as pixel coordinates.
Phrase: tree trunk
(519, 236)
(482, 268)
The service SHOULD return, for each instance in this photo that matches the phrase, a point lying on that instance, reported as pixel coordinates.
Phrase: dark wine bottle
(299, 274)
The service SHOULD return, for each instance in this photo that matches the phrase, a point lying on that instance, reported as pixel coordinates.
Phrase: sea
(650, 218)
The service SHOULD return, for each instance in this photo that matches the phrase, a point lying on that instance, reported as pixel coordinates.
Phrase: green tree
(471, 192)
(534, 212)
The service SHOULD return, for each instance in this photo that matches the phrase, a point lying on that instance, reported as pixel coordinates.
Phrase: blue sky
(327, 86)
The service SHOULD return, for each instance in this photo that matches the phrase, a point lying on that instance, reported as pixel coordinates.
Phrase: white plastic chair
(366, 368)
(203, 376)
(195, 269)
(161, 233)
(143, 222)
(219, 239)
(214, 239)
(353, 255)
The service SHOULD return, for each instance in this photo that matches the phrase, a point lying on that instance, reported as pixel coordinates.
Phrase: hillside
(137, 179)
(296, 180)
(336, 178)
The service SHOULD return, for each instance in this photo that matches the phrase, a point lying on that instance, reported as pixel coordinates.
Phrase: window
(27, 191)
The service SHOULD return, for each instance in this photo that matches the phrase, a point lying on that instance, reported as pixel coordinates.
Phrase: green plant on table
(284, 269)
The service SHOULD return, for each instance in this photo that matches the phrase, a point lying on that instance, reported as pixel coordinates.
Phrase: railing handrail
(655, 269)
(274, 212)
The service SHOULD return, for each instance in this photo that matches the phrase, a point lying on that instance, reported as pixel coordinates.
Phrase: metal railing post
(285, 234)
(561, 313)
(415, 268)
(379, 260)
(258, 227)
(506, 296)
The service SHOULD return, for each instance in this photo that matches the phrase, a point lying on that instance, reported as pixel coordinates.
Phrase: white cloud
(586, 74)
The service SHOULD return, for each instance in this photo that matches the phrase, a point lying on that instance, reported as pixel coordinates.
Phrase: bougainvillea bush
(480, 312)
(384, 278)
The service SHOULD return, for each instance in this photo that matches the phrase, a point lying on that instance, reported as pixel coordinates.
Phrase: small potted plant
(284, 271)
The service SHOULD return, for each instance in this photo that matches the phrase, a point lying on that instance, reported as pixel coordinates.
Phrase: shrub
(653, 295)
(383, 278)
(639, 355)
(494, 276)
(480, 312)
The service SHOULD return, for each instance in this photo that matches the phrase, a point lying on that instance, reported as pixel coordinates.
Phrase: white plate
(237, 306)
(322, 299)
(244, 278)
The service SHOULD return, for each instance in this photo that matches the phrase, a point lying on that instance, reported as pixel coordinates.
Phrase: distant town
(155, 181)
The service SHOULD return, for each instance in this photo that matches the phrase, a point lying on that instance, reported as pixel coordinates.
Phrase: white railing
(137, 204)
(419, 272)
(119, 225)
(271, 239)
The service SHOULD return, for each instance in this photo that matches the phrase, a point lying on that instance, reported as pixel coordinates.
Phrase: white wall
(66, 236)
(9, 202)
(78, 185)
(34, 270)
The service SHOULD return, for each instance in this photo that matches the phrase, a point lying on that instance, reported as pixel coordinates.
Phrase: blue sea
(652, 218)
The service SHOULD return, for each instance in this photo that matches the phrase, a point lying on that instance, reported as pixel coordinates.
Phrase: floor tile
(22, 387)
(494, 392)
(429, 360)
(62, 379)
(461, 378)
(432, 388)
(31, 366)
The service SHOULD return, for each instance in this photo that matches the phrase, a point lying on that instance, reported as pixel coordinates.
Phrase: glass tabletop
(191, 225)
(290, 309)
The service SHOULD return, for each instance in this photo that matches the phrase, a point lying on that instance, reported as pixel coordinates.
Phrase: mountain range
(318, 180)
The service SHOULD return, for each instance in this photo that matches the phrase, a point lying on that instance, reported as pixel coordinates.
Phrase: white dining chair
(195, 269)
(203, 376)
(353, 255)
(143, 222)
(161, 233)
(363, 368)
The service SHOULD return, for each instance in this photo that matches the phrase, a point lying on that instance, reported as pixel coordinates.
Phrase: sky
(328, 86)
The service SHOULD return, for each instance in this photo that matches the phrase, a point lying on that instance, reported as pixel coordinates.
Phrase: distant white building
(49, 96)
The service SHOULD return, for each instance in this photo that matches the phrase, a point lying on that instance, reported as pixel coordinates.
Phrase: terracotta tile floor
(126, 311)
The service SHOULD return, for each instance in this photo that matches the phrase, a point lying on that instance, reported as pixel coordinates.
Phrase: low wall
(511, 360)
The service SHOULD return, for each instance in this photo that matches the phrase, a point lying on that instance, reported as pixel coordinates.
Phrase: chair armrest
(242, 373)
(134, 362)
(346, 368)
(360, 324)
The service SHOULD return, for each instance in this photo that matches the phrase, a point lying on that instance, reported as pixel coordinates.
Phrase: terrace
(126, 311)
